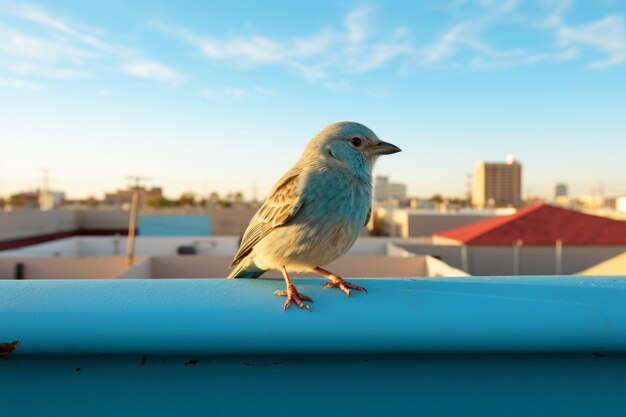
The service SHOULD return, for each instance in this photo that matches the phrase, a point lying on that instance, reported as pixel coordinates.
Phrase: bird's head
(349, 144)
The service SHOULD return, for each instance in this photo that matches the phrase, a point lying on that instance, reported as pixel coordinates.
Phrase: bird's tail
(246, 269)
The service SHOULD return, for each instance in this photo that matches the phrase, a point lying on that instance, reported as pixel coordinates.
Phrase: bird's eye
(356, 141)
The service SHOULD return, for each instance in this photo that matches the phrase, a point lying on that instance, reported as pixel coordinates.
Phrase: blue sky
(223, 97)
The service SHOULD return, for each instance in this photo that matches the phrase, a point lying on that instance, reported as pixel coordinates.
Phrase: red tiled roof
(541, 224)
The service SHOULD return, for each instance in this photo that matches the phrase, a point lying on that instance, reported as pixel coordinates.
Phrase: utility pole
(132, 223)
(44, 195)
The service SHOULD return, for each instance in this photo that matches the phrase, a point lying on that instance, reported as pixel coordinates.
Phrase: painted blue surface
(162, 225)
(428, 347)
(216, 316)
(378, 385)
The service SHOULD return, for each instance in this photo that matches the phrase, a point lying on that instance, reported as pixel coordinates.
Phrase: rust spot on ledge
(6, 349)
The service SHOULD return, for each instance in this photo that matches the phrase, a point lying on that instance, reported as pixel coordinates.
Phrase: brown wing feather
(281, 205)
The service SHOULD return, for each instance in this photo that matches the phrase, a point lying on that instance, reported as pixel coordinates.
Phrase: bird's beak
(384, 148)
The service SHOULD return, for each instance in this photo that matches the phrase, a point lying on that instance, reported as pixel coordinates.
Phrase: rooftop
(541, 224)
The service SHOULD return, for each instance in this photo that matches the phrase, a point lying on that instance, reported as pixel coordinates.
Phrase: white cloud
(262, 90)
(48, 71)
(68, 50)
(556, 10)
(236, 93)
(19, 84)
(37, 15)
(445, 46)
(322, 55)
(208, 93)
(152, 70)
(466, 43)
(358, 23)
(18, 44)
(606, 36)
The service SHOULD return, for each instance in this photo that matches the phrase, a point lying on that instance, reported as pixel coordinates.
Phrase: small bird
(316, 211)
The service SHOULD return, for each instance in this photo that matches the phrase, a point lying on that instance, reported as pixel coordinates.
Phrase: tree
(437, 198)
(17, 200)
(158, 202)
(91, 201)
(187, 199)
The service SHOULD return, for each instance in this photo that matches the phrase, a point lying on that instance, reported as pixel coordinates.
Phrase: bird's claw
(344, 286)
(293, 295)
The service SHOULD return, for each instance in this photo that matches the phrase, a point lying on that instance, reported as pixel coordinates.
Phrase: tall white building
(385, 190)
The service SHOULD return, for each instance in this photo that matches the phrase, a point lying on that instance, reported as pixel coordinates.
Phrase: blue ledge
(214, 316)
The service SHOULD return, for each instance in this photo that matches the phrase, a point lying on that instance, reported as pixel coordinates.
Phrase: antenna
(136, 180)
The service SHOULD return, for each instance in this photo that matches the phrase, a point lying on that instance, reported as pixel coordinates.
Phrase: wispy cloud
(466, 38)
(467, 44)
(208, 92)
(38, 15)
(235, 92)
(21, 45)
(358, 23)
(349, 48)
(19, 84)
(152, 70)
(606, 36)
(49, 71)
(65, 50)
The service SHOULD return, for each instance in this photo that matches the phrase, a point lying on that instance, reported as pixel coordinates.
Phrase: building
(541, 224)
(592, 201)
(560, 190)
(561, 195)
(385, 190)
(122, 197)
(26, 199)
(49, 200)
(408, 223)
(497, 184)
(537, 240)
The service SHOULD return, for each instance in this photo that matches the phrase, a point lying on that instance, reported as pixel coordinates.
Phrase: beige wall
(426, 225)
(401, 222)
(613, 266)
(199, 266)
(450, 254)
(64, 268)
(534, 260)
(102, 219)
(26, 223)
(231, 221)
(234, 221)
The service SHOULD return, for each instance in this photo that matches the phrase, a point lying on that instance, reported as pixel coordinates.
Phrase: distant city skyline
(205, 98)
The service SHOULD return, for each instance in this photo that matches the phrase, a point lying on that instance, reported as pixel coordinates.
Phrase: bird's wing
(282, 204)
(369, 216)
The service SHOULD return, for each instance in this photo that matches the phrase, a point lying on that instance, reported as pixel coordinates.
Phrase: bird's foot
(293, 295)
(337, 281)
